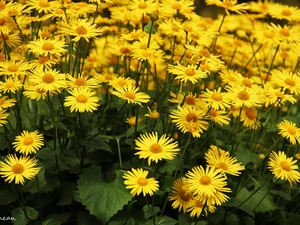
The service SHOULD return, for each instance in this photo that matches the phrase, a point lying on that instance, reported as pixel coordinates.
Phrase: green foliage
(20, 218)
(57, 219)
(96, 194)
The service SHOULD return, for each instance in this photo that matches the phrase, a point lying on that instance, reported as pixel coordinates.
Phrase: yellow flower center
(124, 50)
(292, 130)
(13, 12)
(191, 117)
(237, 43)
(2, 21)
(4, 36)
(45, 34)
(12, 68)
(2, 5)
(195, 36)
(108, 77)
(43, 59)
(190, 72)
(184, 195)
(48, 46)
(204, 52)
(289, 81)
(122, 83)
(216, 97)
(243, 95)
(176, 6)
(279, 94)
(205, 67)
(143, 46)
(190, 100)
(205, 180)
(285, 166)
(92, 59)
(286, 12)
(175, 28)
(213, 112)
(285, 55)
(130, 95)
(80, 81)
(143, 5)
(250, 114)
(59, 11)
(284, 32)
(269, 35)
(146, 53)
(48, 78)
(227, 3)
(9, 84)
(40, 91)
(222, 166)
(44, 4)
(81, 30)
(135, 35)
(247, 82)
(17, 169)
(1, 101)
(27, 140)
(156, 148)
(142, 181)
(81, 98)
(198, 204)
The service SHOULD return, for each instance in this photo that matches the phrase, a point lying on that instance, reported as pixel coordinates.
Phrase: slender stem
(271, 64)
(119, 153)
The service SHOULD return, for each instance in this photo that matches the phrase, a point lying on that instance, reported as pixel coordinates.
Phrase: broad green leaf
(150, 211)
(164, 220)
(95, 144)
(67, 193)
(97, 195)
(237, 203)
(19, 215)
(57, 219)
(246, 156)
(171, 165)
(7, 196)
(282, 194)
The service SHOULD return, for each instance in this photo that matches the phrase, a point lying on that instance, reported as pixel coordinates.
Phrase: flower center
(48, 46)
(9, 84)
(176, 6)
(143, 5)
(247, 82)
(190, 100)
(195, 36)
(198, 204)
(122, 83)
(156, 148)
(146, 53)
(250, 114)
(175, 28)
(205, 180)
(2, 5)
(2, 21)
(286, 12)
(243, 95)
(43, 59)
(191, 117)
(142, 181)
(190, 72)
(124, 50)
(289, 81)
(12, 68)
(213, 112)
(27, 140)
(204, 52)
(143, 46)
(279, 94)
(44, 4)
(284, 32)
(184, 195)
(216, 97)
(269, 35)
(237, 43)
(17, 169)
(48, 78)
(285, 166)
(40, 91)
(292, 130)
(80, 81)
(92, 59)
(222, 166)
(130, 95)
(1, 101)
(81, 30)
(81, 98)
(4, 36)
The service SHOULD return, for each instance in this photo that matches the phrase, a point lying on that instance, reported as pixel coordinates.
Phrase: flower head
(180, 195)
(28, 142)
(290, 131)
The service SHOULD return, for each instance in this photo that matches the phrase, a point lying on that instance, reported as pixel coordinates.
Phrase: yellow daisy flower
(290, 131)
(11, 40)
(215, 99)
(290, 13)
(42, 62)
(13, 68)
(196, 207)
(180, 195)
(276, 96)
(152, 114)
(137, 181)
(286, 80)
(82, 99)
(187, 73)
(10, 85)
(6, 103)
(43, 6)
(14, 168)
(132, 121)
(3, 117)
(131, 95)
(35, 93)
(154, 148)
(218, 198)
(283, 167)
(142, 7)
(121, 81)
(28, 142)
(250, 118)
(82, 81)
(219, 159)
(229, 5)
(219, 116)
(47, 47)
(169, 8)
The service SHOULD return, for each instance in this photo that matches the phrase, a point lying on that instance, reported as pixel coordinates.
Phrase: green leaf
(84, 218)
(102, 199)
(164, 220)
(246, 156)
(7, 196)
(67, 193)
(293, 219)
(150, 211)
(150, 28)
(237, 203)
(20, 218)
(95, 144)
(57, 219)
(282, 194)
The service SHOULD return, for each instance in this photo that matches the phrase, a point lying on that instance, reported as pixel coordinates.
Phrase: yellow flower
(290, 131)
(279, 11)
(11, 40)
(187, 73)
(220, 159)
(250, 118)
(152, 114)
(35, 93)
(142, 7)
(10, 85)
(6, 103)
(138, 182)
(286, 80)
(14, 168)
(43, 6)
(82, 99)
(229, 5)
(219, 116)
(283, 167)
(47, 47)
(13, 68)
(3, 117)
(197, 206)
(169, 8)
(133, 120)
(180, 194)
(82, 81)
(154, 148)
(28, 142)
(215, 99)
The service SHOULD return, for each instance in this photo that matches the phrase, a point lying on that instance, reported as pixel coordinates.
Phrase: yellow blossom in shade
(276, 96)
(172, 28)
(215, 99)
(220, 159)
(133, 120)
(7, 24)
(6, 103)
(261, 156)
(197, 207)
(43, 6)
(284, 167)
(82, 99)
(48, 79)
(131, 95)
(3, 117)
(10, 85)
(42, 62)
(218, 198)
(297, 156)
(230, 77)
(154, 148)
(82, 81)
(219, 116)
(152, 114)
(80, 29)
(290, 131)
(187, 73)
(137, 181)
(169, 8)
(121, 82)
(47, 47)
(35, 93)
(13, 68)
(180, 195)
(229, 5)
(189, 119)
(28, 142)
(14, 168)
(205, 182)
(11, 40)
(290, 13)
(250, 118)
(286, 80)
